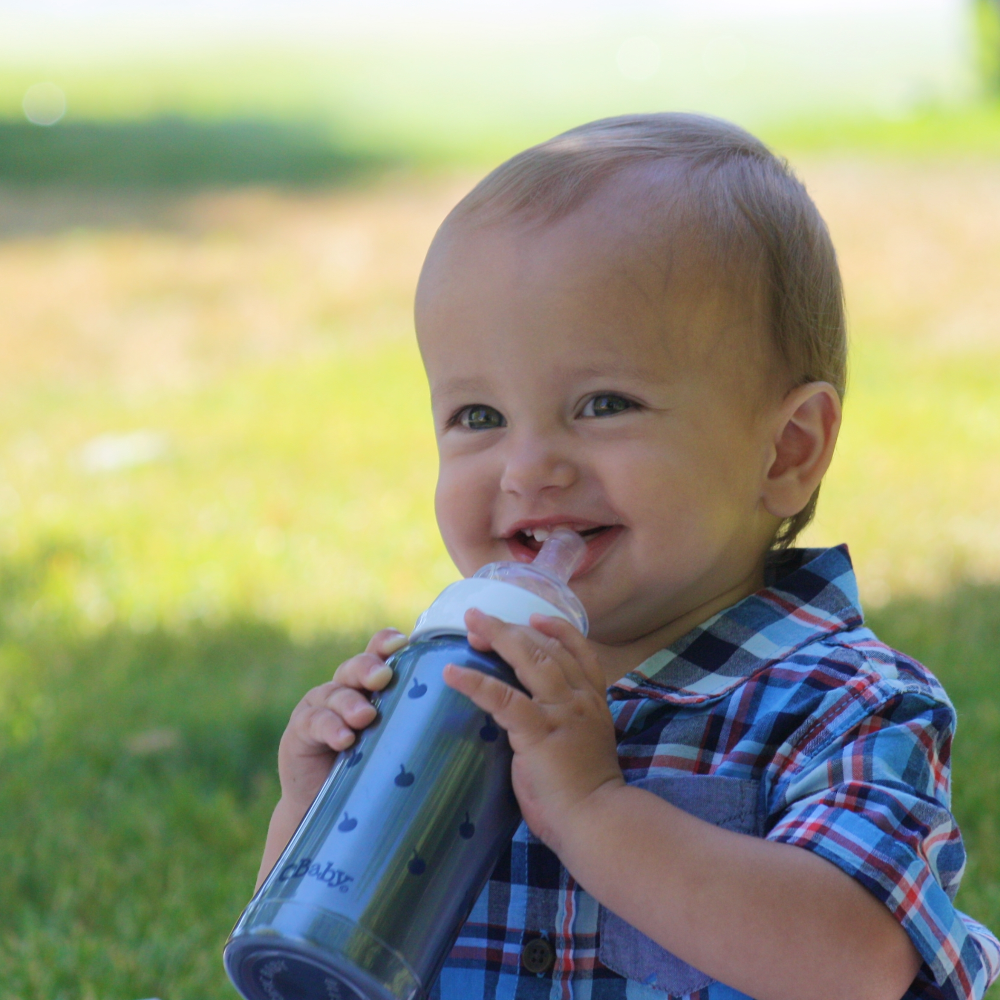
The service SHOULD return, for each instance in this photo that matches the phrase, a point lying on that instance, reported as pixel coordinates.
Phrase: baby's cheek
(463, 517)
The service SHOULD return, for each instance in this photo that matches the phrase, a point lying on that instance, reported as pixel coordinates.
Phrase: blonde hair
(748, 207)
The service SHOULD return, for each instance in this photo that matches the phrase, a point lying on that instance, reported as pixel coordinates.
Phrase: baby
(731, 788)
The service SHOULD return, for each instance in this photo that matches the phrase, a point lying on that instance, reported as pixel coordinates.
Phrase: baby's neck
(617, 660)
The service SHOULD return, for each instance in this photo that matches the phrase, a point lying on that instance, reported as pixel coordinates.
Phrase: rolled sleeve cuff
(961, 956)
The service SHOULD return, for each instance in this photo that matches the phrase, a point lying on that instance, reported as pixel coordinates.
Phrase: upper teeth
(539, 534)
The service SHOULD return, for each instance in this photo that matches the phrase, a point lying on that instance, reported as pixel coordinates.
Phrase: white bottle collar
(446, 616)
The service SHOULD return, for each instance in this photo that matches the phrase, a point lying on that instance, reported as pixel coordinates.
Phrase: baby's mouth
(524, 544)
(532, 539)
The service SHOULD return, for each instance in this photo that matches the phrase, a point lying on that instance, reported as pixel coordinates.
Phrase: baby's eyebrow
(465, 385)
(460, 385)
(618, 367)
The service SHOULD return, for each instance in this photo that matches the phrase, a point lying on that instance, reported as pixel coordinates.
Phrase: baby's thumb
(387, 642)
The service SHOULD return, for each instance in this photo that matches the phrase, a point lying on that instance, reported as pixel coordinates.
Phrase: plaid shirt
(782, 717)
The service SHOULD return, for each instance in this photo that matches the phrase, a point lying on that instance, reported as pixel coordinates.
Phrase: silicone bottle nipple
(549, 574)
(560, 554)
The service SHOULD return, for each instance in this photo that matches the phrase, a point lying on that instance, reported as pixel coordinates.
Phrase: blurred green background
(216, 459)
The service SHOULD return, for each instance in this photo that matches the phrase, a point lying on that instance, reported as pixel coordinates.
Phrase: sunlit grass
(916, 484)
(300, 493)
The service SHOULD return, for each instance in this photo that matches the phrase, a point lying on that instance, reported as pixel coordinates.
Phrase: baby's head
(635, 329)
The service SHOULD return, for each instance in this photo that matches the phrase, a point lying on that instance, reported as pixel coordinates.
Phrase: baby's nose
(535, 465)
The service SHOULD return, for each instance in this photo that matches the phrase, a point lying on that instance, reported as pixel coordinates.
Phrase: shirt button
(537, 956)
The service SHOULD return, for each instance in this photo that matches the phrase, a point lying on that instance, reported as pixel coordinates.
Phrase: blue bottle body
(369, 895)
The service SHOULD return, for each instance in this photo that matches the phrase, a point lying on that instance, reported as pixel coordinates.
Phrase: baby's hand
(325, 720)
(562, 736)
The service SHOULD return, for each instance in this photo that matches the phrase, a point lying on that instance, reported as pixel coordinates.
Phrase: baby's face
(576, 383)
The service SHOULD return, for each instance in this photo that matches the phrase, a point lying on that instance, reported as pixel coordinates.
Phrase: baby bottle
(372, 890)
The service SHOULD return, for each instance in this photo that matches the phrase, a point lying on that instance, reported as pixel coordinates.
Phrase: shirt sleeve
(875, 801)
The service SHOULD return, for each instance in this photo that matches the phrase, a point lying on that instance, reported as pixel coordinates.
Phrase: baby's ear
(805, 432)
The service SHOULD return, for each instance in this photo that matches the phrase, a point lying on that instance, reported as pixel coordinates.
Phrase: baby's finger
(321, 728)
(386, 642)
(510, 708)
(576, 644)
(542, 664)
(352, 706)
(364, 672)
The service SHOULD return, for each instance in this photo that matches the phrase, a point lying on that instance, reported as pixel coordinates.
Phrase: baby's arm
(774, 921)
(322, 724)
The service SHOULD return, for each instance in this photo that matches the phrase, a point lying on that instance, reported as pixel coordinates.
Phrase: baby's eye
(606, 404)
(479, 418)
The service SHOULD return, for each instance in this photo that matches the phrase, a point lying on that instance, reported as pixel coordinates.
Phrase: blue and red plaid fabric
(848, 743)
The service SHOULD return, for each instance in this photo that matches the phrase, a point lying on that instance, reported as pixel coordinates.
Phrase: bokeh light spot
(44, 103)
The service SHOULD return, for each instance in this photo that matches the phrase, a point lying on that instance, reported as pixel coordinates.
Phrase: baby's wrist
(292, 807)
(583, 825)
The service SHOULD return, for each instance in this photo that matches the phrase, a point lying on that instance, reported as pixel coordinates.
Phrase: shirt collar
(812, 594)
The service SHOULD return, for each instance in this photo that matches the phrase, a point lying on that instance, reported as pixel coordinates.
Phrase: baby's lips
(597, 545)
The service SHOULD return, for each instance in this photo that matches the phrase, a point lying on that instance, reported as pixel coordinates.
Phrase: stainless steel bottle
(369, 895)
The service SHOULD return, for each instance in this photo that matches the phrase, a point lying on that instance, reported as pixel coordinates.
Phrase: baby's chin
(611, 633)
(610, 621)
(621, 610)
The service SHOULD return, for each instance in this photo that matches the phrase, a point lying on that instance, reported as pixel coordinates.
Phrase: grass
(451, 95)
(163, 604)
(139, 776)
(172, 152)
(958, 636)
(928, 133)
